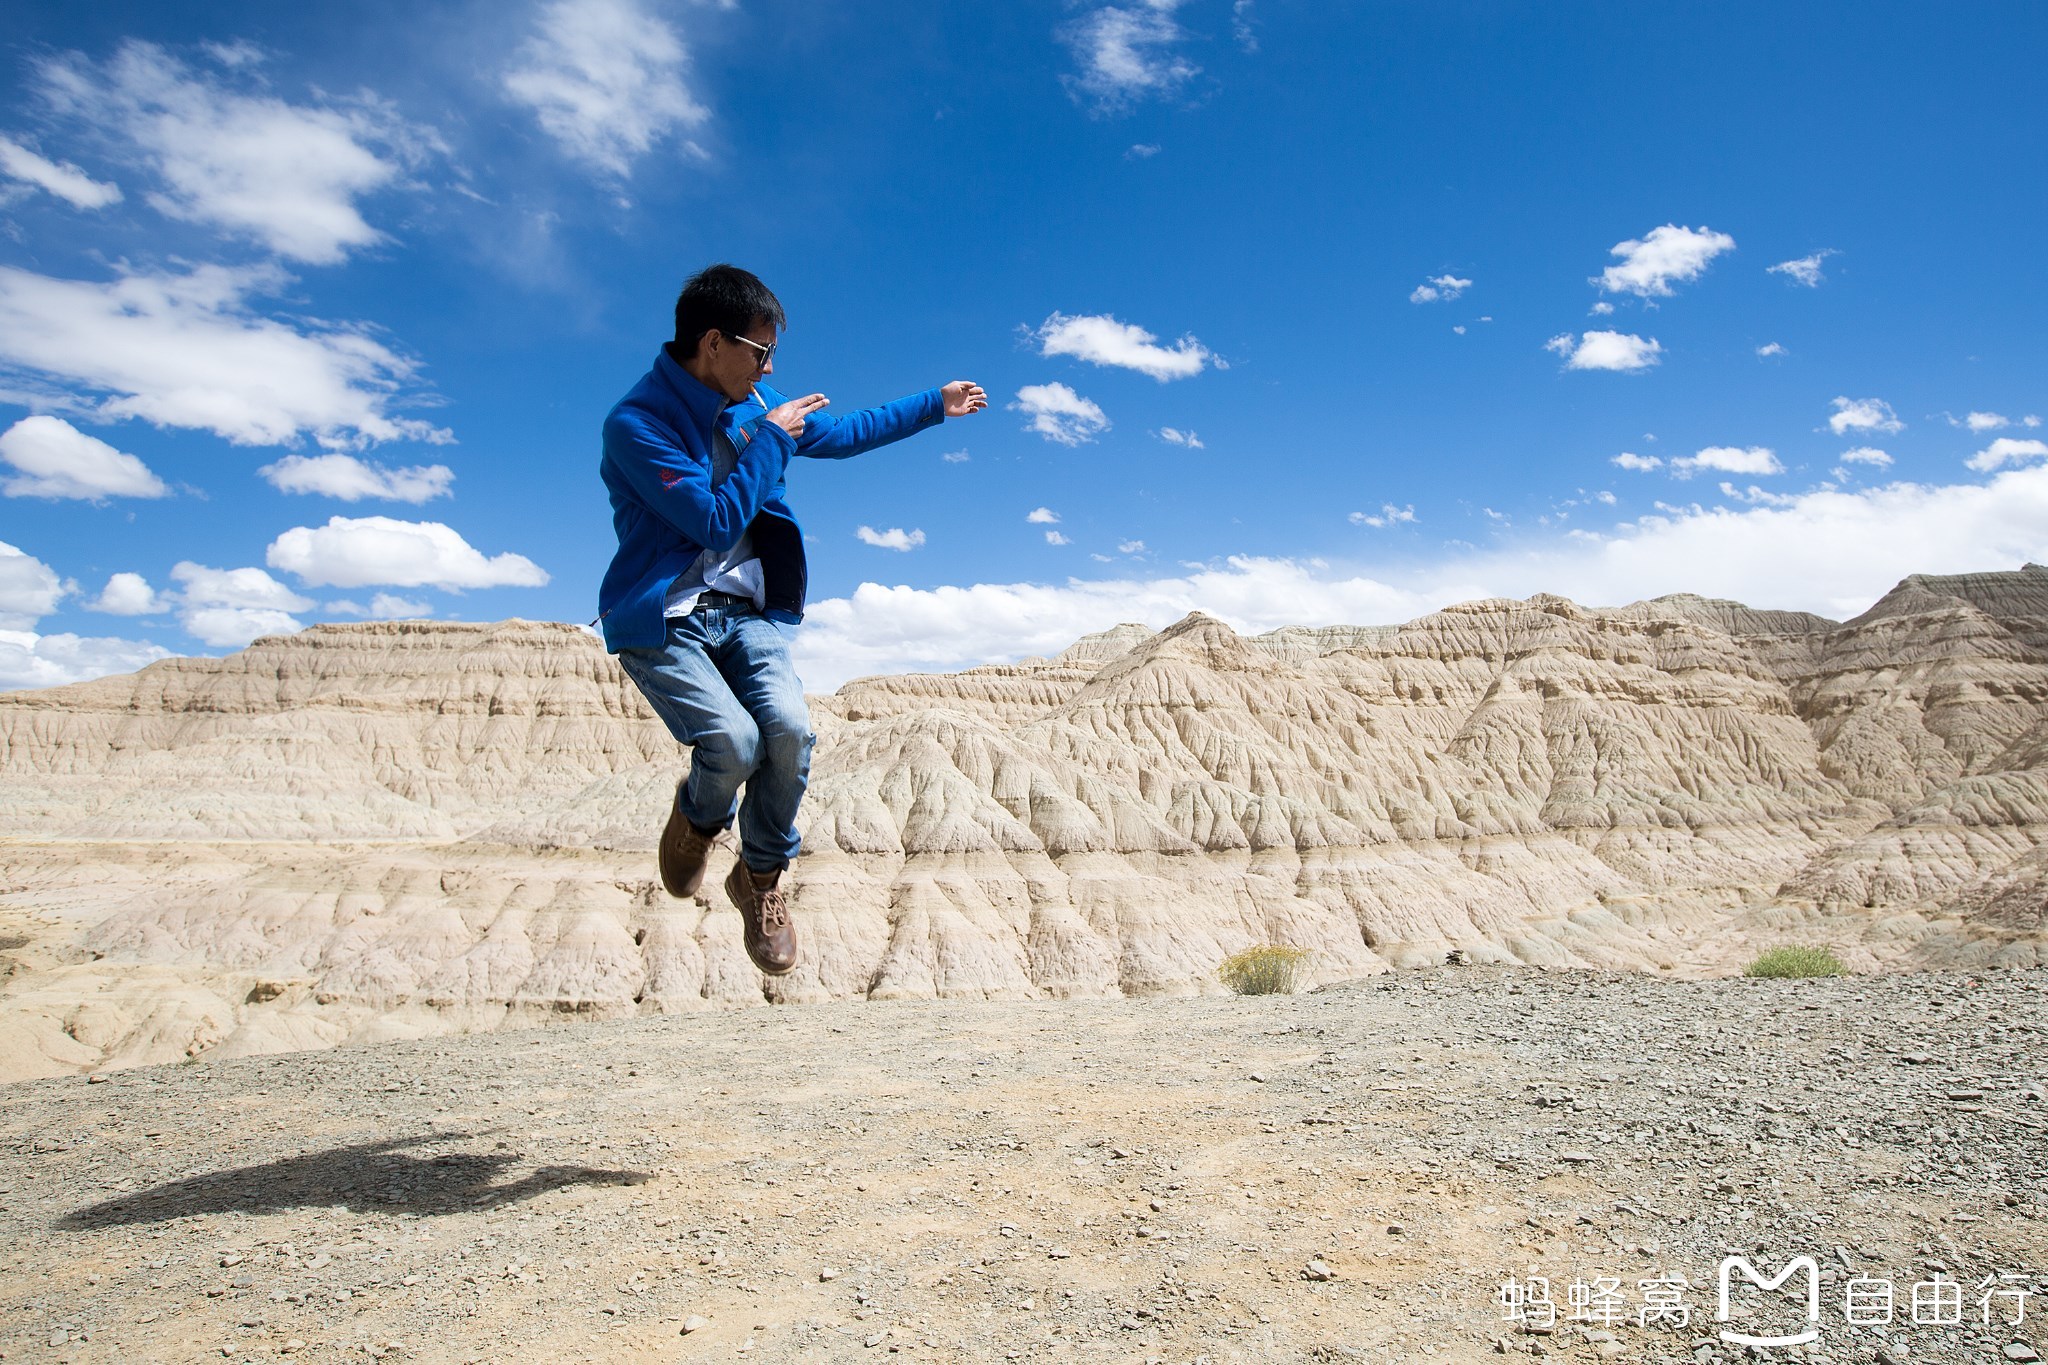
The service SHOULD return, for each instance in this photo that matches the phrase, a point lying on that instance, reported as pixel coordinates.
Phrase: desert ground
(1346, 1174)
(342, 1016)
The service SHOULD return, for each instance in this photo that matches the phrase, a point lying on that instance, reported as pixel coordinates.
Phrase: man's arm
(829, 437)
(676, 486)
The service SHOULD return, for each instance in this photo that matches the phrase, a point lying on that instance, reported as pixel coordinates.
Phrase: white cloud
(62, 179)
(1605, 351)
(1729, 460)
(1829, 551)
(57, 460)
(1141, 151)
(1043, 516)
(2030, 420)
(29, 588)
(384, 607)
(232, 627)
(355, 552)
(895, 538)
(1805, 270)
(1601, 308)
(129, 594)
(1642, 464)
(236, 55)
(1055, 538)
(2007, 450)
(186, 350)
(1444, 287)
(286, 175)
(1241, 27)
(1059, 414)
(605, 79)
(349, 479)
(1173, 436)
(956, 457)
(1863, 414)
(389, 607)
(248, 587)
(1770, 348)
(893, 629)
(224, 607)
(1869, 455)
(1388, 515)
(1102, 340)
(1130, 547)
(1670, 253)
(31, 660)
(1754, 495)
(1986, 421)
(1126, 53)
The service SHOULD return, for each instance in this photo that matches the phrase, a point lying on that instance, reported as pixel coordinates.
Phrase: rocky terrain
(1350, 1174)
(388, 831)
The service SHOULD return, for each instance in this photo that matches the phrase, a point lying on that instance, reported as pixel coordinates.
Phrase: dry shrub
(1803, 960)
(1267, 969)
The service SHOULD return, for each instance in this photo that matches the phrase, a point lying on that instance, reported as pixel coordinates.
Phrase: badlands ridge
(401, 829)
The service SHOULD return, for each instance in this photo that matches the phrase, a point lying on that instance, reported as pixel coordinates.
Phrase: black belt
(721, 599)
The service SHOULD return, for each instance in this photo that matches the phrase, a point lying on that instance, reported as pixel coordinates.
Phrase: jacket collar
(702, 402)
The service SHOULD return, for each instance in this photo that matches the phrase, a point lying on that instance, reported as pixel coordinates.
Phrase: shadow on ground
(370, 1177)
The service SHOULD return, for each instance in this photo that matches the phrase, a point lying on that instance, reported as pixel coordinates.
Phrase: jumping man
(708, 583)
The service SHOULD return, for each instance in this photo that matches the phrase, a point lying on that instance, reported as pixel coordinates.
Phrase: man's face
(735, 364)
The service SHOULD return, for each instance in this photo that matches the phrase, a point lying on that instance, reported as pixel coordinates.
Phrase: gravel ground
(1347, 1174)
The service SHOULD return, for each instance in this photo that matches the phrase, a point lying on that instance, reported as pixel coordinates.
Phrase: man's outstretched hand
(963, 397)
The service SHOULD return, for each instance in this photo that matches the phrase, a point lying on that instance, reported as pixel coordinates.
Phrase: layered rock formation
(401, 828)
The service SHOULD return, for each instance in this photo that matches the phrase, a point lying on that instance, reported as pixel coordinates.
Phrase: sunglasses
(767, 352)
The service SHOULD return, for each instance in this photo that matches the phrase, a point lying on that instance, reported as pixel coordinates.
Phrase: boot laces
(692, 835)
(773, 908)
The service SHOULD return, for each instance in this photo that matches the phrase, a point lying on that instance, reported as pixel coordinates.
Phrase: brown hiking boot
(764, 910)
(685, 850)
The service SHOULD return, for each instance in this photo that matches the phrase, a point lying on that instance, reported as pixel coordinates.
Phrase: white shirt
(736, 571)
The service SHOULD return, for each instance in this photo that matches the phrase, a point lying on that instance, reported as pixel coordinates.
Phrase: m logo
(1730, 1264)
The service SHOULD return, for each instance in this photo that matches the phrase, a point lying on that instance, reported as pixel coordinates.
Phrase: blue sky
(1292, 313)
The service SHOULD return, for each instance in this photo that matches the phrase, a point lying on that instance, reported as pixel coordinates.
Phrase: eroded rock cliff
(404, 828)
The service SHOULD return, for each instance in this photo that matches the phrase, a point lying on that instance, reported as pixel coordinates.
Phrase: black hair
(722, 298)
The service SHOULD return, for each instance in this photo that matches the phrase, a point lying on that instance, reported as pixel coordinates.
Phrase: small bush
(1792, 962)
(1265, 970)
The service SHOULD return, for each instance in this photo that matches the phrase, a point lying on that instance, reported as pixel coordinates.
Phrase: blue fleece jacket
(657, 465)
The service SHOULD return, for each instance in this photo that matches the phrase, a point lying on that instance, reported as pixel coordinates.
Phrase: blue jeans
(723, 684)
